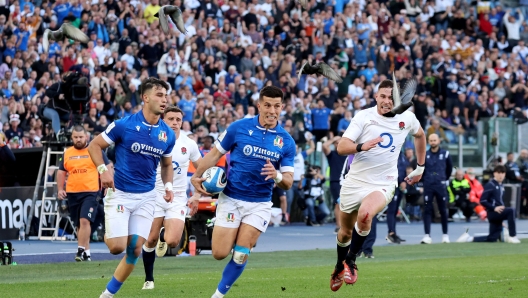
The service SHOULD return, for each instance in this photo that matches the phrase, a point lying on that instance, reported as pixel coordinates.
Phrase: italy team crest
(162, 136)
(279, 142)
(120, 208)
(230, 217)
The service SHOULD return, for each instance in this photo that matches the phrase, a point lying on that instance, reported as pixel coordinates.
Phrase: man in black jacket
(492, 200)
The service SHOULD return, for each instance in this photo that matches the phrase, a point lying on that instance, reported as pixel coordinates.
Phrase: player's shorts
(82, 205)
(129, 213)
(352, 195)
(231, 212)
(177, 209)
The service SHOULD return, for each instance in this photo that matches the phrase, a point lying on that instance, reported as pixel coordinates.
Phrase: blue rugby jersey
(139, 147)
(251, 145)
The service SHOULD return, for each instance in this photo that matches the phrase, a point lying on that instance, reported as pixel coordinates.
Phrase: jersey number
(391, 139)
(176, 167)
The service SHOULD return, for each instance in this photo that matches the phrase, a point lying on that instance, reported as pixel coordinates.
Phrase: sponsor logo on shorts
(265, 223)
(230, 217)
(91, 210)
(182, 212)
(120, 208)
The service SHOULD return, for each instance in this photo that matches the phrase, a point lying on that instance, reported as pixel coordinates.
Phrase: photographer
(312, 186)
(61, 101)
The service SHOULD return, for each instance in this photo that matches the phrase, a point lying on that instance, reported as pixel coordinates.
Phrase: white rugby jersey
(379, 165)
(185, 150)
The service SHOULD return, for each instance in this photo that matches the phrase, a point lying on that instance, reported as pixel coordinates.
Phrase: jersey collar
(257, 124)
(144, 121)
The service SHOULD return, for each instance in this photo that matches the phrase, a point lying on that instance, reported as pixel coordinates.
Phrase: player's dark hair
(271, 91)
(151, 83)
(386, 84)
(499, 169)
(79, 128)
(174, 109)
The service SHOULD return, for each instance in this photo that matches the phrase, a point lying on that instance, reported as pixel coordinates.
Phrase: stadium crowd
(470, 60)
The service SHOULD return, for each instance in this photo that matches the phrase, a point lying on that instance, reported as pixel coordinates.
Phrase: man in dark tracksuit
(492, 200)
(404, 160)
(438, 168)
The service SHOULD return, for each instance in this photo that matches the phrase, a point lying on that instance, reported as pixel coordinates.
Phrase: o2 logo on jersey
(176, 167)
(389, 145)
(136, 147)
(248, 149)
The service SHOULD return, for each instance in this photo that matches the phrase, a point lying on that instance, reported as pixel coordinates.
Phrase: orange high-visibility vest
(82, 173)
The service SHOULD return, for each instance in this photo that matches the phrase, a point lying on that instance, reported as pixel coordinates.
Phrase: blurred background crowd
(469, 58)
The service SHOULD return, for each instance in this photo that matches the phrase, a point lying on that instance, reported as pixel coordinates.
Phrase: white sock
(445, 235)
(107, 293)
(217, 294)
(148, 249)
(427, 235)
(80, 247)
(87, 252)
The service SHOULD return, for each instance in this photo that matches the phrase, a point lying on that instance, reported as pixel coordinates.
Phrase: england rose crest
(184, 150)
(402, 125)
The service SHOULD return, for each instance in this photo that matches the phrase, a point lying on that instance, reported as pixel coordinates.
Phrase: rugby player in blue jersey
(141, 141)
(262, 154)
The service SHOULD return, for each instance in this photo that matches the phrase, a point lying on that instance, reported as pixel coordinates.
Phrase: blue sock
(113, 285)
(232, 272)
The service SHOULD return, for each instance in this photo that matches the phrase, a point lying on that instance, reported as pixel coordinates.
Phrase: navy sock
(232, 272)
(162, 236)
(356, 245)
(342, 251)
(148, 264)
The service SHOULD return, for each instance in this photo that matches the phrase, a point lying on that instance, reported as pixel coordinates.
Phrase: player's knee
(172, 242)
(116, 248)
(133, 251)
(364, 220)
(84, 222)
(219, 254)
(240, 254)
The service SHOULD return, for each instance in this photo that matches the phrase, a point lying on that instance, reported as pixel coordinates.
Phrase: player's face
(173, 120)
(156, 100)
(79, 139)
(384, 100)
(270, 109)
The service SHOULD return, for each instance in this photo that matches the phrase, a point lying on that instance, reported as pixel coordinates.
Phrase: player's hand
(499, 209)
(107, 180)
(415, 175)
(197, 183)
(169, 195)
(371, 144)
(193, 203)
(269, 171)
(62, 194)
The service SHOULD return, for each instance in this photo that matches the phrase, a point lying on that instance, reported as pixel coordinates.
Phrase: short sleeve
(226, 140)
(172, 143)
(195, 152)
(286, 164)
(114, 132)
(415, 127)
(355, 128)
(61, 163)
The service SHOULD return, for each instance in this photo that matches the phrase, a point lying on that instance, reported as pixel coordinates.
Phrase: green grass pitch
(439, 270)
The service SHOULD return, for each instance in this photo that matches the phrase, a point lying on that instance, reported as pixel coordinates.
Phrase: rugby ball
(215, 180)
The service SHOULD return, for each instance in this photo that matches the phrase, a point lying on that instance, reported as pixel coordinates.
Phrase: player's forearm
(346, 147)
(421, 146)
(167, 173)
(287, 181)
(96, 153)
(209, 160)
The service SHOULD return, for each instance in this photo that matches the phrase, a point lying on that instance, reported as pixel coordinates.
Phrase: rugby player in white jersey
(375, 141)
(171, 215)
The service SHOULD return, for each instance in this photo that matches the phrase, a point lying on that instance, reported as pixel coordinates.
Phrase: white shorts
(352, 195)
(129, 213)
(177, 209)
(231, 212)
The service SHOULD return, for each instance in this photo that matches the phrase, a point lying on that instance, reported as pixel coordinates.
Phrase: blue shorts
(82, 205)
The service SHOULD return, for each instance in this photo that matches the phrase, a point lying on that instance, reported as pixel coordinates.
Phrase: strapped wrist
(278, 179)
(168, 186)
(102, 168)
